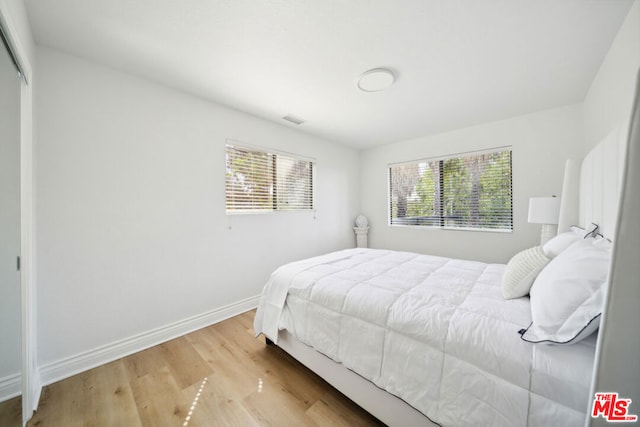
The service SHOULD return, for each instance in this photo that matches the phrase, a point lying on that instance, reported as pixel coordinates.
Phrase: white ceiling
(458, 62)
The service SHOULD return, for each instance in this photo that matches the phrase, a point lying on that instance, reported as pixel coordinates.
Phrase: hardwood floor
(11, 412)
(217, 376)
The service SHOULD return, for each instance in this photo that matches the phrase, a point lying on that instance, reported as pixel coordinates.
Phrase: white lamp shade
(544, 210)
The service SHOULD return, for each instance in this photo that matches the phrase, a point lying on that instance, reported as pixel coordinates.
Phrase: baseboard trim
(10, 386)
(72, 365)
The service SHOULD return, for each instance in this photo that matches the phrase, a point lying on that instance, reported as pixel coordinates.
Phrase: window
(258, 181)
(472, 191)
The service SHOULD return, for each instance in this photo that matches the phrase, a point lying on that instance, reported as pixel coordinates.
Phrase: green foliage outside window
(472, 191)
(257, 180)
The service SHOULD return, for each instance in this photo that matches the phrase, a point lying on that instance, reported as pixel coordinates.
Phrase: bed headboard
(591, 191)
(601, 181)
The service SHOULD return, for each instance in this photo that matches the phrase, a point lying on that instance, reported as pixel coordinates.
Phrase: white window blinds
(472, 191)
(258, 180)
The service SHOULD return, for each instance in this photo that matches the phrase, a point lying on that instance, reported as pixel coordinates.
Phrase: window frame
(276, 153)
(442, 221)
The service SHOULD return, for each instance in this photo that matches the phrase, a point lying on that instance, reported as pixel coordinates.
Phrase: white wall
(607, 104)
(541, 142)
(608, 101)
(133, 234)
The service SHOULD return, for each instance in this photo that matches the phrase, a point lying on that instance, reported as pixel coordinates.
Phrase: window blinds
(472, 191)
(257, 180)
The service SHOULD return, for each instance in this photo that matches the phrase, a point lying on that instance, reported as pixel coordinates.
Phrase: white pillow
(521, 271)
(567, 297)
(562, 241)
(559, 243)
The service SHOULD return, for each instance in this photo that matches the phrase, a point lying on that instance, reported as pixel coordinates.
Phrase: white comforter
(433, 331)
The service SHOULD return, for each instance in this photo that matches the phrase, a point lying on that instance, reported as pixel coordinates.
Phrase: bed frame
(384, 406)
(590, 195)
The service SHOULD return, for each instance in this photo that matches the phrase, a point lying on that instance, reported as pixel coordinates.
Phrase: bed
(424, 340)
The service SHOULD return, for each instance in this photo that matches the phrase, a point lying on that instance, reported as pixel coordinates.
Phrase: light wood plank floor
(11, 413)
(217, 376)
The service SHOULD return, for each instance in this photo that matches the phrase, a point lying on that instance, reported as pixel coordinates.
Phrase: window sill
(426, 227)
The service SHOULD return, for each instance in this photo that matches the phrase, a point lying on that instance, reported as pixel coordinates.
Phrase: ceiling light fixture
(376, 80)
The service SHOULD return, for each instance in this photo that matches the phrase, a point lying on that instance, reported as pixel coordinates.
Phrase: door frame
(31, 383)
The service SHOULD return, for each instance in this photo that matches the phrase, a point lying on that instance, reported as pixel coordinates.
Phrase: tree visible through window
(257, 180)
(471, 191)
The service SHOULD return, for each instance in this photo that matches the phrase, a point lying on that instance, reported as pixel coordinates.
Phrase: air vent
(293, 119)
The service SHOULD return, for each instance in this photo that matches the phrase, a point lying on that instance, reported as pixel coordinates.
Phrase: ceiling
(457, 62)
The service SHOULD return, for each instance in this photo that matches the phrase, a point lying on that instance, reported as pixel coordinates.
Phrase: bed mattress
(435, 332)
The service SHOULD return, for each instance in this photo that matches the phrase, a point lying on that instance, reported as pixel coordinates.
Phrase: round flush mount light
(376, 79)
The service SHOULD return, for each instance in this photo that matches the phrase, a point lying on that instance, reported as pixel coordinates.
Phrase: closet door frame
(31, 384)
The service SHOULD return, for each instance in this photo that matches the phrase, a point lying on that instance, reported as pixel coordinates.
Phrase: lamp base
(548, 232)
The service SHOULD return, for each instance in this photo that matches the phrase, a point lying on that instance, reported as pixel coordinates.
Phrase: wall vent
(293, 119)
